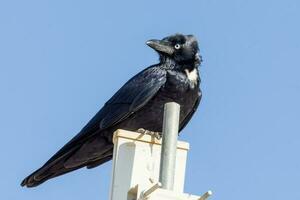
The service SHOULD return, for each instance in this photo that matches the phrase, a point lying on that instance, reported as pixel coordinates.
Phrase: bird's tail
(69, 160)
(48, 171)
(45, 173)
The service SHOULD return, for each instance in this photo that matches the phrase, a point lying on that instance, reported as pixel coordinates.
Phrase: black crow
(138, 105)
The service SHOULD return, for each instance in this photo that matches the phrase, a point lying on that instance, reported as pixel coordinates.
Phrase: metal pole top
(169, 145)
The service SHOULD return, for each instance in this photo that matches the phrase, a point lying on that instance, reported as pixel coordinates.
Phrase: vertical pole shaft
(169, 145)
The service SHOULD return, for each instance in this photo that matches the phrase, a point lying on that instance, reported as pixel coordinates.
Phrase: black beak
(160, 46)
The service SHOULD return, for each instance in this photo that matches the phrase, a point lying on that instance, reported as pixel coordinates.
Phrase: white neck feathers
(192, 75)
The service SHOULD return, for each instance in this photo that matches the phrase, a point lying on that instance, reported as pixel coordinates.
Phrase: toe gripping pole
(169, 145)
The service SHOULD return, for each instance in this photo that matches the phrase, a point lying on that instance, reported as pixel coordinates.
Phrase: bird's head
(180, 48)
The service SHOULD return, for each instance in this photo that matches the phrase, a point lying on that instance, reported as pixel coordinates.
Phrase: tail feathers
(51, 171)
(106, 157)
(92, 153)
(43, 174)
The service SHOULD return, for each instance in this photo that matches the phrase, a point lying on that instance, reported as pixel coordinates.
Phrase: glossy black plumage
(138, 104)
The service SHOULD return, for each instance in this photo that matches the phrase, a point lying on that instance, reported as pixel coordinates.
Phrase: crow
(136, 106)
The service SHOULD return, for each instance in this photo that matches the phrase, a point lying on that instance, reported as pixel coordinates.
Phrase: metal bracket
(206, 195)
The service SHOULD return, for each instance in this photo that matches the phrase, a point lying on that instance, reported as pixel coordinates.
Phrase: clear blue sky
(61, 60)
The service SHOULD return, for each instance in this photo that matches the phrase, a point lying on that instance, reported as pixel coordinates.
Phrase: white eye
(177, 46)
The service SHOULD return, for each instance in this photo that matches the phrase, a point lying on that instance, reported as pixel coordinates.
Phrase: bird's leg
(157, 135)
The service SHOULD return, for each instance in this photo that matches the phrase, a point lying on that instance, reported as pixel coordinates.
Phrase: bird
(136, 106)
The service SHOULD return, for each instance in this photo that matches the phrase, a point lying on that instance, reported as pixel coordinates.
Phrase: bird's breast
(183, 89)
(182, 81)
(177, 88)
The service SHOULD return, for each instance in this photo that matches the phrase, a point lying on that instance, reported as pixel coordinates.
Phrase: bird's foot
(157, 135)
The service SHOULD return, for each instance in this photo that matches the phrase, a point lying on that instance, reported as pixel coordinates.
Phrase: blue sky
(61, 60)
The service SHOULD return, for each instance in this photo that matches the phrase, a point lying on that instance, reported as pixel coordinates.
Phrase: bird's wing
(128, 99)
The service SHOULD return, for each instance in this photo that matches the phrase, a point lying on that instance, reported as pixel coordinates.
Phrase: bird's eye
(177, 46)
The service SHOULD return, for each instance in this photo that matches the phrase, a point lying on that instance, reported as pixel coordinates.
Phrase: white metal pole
(169, 145)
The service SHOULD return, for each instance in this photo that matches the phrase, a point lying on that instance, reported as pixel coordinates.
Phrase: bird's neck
(167, 63)
(190, 65)
(189, 68)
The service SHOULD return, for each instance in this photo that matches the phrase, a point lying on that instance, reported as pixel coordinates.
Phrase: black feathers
(138, 104)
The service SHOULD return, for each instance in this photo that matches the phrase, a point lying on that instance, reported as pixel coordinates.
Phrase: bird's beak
(160, 46)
